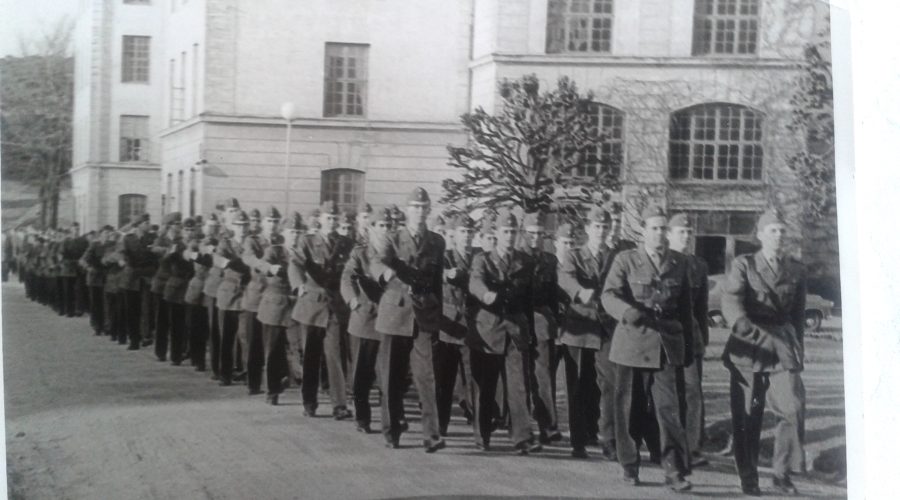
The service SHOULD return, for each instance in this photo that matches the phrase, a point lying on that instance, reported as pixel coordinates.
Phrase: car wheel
(716, 320)
(814, 320)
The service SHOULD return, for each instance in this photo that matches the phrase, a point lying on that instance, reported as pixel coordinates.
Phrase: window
(176, 95)
(607, 158)
(726, 26)
(136, 59)
(195, 79)
(345, 79)
(716, 142)
(344, 187)
(579, 26)
(136, 2)
(134, 138)
(131, 205)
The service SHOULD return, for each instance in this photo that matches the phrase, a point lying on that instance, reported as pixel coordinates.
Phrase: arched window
(344, 186)
(716, 142)
(131, 205)
(608, 156)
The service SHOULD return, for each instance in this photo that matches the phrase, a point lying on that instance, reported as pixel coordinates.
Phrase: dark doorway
(712, 250)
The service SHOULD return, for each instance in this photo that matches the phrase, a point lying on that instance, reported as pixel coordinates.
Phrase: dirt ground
(87, 419)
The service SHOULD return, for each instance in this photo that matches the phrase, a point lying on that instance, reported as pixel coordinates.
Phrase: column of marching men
(380, 301)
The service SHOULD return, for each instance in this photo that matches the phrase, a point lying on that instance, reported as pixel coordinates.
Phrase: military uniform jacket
(235, 275)
(276, 303)
(193, 295)
(357, 282)
(700, 298)
(774, 305)
(459, 305)
(664, 295)
(140, 262)
(160, 247)
(71, 250)
(92, 263)
(412, 297)
(214, 274)
(317, 264)
(112, 268)
(180, 273)
(254, 246)
(585, 325)
(509, 317)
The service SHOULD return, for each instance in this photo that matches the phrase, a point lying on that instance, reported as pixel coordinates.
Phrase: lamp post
(287, 112)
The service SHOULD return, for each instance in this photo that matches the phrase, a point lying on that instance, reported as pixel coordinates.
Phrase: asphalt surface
(87, 419)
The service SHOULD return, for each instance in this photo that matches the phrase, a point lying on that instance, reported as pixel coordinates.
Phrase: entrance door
(712, 250)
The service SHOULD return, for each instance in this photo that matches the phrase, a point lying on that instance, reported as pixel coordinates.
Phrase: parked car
(817, 307)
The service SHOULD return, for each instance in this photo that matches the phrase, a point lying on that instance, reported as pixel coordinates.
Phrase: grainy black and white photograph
(373, 249)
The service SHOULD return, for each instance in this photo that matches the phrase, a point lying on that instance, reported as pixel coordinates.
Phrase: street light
(287, 112)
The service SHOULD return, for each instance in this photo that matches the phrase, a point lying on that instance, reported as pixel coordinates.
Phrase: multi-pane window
(345, 79)
(718, 142)
(726, 27)
(134, 138)
(579, 26)
(607, 157)
(131, 205)
(344, 187)
(137, 2)
(135, 59)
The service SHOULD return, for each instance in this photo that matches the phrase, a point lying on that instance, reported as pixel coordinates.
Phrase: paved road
(87, 419)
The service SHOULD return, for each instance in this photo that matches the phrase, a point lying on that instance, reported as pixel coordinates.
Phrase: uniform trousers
(785, 394)
(82, 296)
(97, 322)
(215, 334)
(69, 300)
(176, 332)
(197, 324)
(111, 311)
(148, 318)
(694, 409)
(542, 384)
(589, 371)
(400, 354)
(228, 325)
(365, 368)
(274, 341)
(634, 388)
(450, 360)
(132, 317)
(486, 372)
(252, 350)
(294, 346)
(161, 329)
(321, 343)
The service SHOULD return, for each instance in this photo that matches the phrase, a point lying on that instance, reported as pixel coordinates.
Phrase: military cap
(384, 215)
(241, 218)
(506, 218)
(535, 219)
(273, 213)
(346, 217)
(652, 211)
(198, 219)
(418, 196)
(487, 222)
(680, 219)
(565, 231)
(232, 203)
(398, 215)
(255, 215)
(770, 216)
(329, 207)
(212, 219)
(296, 222)
(276, 239)
(598, 214)
(462, 220)
(107, 228)
(189, 223)
(364, 208)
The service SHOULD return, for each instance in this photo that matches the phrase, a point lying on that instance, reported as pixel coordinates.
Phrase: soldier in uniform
(212, 233)
(294, 234)
(196, 318)
(274, 313)
(235, 275)
(180, 271)
(361, 291)
(315, 272)
(72, 248)
(648, 291)
(586, 336)
(251, 331)
(764, 299)
(139, 264)
(363, 214)
(91, 262)
(451, 356)
(409, 317)
(681, 239)
(502, 280)
(112, 263)
(161, 246)
(542, 371)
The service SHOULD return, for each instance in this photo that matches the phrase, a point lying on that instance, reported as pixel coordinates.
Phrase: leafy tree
(528, 155)
(36, 96)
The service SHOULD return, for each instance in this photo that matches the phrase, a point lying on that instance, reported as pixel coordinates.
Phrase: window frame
(334, 176)
(360, 82)
(133, 61)
(126, 150)
(703, 47)
(598, 157)
(126, 218)
(559, 35)
(686, 145)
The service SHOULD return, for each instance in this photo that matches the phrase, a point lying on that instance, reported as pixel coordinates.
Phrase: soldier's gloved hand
(489, 298)
(634, 316)
(742, 326)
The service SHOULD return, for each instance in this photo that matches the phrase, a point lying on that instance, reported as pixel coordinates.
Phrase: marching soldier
(250, 332)
(586, 335)
(235, 275)
(451, 356)
(542, 376)
(71, 249)
(160, 248)
(361, 292)
(409, 316)
(764, 300)
(681, 239)
(139, 264)
(294, 234)
(180, 271)
(91, 261)
(648, 290)
(210, 287)
(315, 272)
(112, 263)
(274, 313)
(501, 280)
(196, 319)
